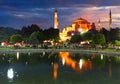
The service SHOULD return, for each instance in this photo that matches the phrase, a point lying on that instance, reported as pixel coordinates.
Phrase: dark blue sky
(19, 13)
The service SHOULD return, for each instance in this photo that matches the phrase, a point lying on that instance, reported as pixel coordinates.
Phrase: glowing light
(85, 42)
(2, 44)
(10, 73)
(80, 30)
(43, 53)
(72, 34)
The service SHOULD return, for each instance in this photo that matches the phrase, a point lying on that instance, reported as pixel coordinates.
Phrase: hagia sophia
(80, 25)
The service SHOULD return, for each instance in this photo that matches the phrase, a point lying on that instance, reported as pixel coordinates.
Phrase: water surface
(59, 68)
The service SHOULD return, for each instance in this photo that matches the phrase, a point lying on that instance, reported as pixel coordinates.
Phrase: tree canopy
(16, 38)
(36, 37)
(76, 39)
(99, 39)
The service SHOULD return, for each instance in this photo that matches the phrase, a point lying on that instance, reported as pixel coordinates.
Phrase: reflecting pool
(59, 68)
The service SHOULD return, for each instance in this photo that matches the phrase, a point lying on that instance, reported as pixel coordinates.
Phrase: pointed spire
(110, 19)
(99, 25)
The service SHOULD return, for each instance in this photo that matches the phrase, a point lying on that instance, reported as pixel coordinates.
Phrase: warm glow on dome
(80, 25)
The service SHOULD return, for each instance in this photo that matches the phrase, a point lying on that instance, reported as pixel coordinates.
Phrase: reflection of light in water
(63, 61)
(101, 56)
(43, 53)
(110, 70)
(29, 53)
(80, 63)
(4, 54)
(3, 58)
(26, 62)
(55, 72)
(80, 66)
(18, 54)
(10, 73)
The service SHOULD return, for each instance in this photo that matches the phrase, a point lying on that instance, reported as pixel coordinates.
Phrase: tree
(76, 39)
(36, 37)
(26, 31)
(52, 33)
(117, 43)
(106, 33)
(33, 39)
(16, 38)
(99, 39)
(87, 36)
(115, 34)
(41, 37)
(34, 28)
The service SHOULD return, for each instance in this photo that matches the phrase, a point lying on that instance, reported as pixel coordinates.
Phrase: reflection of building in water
(55, 72)
(81, 66)
(110, 70)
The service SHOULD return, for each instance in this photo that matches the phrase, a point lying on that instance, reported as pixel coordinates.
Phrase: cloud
(92, 14)
(41, 11)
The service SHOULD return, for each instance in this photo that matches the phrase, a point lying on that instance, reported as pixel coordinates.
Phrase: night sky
(19, 13)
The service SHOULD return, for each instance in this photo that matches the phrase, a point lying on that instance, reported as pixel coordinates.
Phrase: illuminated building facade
(78, 26)
(81, 25)
(56, 21)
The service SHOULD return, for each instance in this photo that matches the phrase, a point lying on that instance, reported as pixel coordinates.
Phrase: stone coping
(60, 50)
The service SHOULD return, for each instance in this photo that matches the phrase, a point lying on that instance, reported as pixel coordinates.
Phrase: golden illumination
(81, 66)
(80, 25)
(56, 21)
(55, 72)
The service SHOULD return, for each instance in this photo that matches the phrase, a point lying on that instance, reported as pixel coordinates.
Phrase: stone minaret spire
(56, 21)
(110, 20)
(99, 25)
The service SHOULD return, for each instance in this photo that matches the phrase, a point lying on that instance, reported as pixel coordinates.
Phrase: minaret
(56, 21)
(99, 26)
(110, 20)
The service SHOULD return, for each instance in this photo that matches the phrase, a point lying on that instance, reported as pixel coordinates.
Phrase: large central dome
(80, 25)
